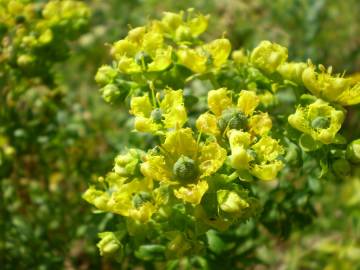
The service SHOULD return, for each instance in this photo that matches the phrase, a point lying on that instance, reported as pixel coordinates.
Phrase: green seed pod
(140, 198)
(341, 167)
(185, 169)
(143, 59)
(320, 122)
(233, 119)
(353, 151)
(156, 115)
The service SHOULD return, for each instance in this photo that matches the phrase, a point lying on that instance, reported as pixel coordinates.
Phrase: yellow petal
(152, 42)
(207, 123)
(267, 171)
(180, 142)
(143, 124)
(260, 124)
(248, 101)
(156, 168)
(192, 193)
(268, 149)
(123, 48)
(161, 60)
(192, 59)
(141, 106)
(219, 50)
(212, 157)
(239, 158)
(173, 109)
(136, 35)
(143, 213)
(219, 100)
(239, 138)
(128, 65)
(96, 197)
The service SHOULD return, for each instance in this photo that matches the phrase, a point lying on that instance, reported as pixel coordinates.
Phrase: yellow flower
(183, 31)
(344, 91)
(240, 144)
(207, 123)
(127, 198)
(268, 56)
(267, 166)
(259, 158)
(171, 112)
(219, 100)
(143, 50)
(205, 58)
(260, 124)
(319, 120)
(184, 164)
(247, 102)
(226, 115)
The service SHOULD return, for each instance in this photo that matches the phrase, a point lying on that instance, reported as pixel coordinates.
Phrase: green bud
(341, 167)
(127, 164)
(156, 115)
(230, 202)
(320, 122)
(353, 151)
(110, 93)
(185, 169)
(233, 119)
(109, 244)
(105, 75)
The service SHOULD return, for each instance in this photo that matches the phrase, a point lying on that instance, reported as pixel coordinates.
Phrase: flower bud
(341, 167)
(268, 56)
(105, 75)
(239, 57)
(109, 244)
(239, 158)
(353, 151)
(127, 164)
(110, 93)
(230, 202)
(292, 71)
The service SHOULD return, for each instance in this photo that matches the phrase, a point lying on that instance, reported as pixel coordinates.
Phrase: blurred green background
(45, 223)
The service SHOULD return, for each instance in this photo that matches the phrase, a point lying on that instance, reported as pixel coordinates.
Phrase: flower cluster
(211, 146)
(35, 33)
